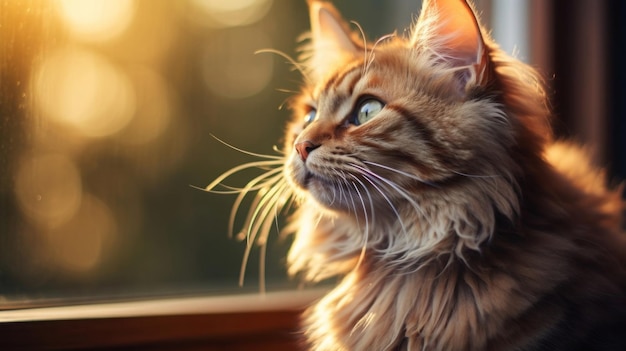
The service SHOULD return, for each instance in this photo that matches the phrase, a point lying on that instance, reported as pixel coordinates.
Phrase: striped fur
(455, 220)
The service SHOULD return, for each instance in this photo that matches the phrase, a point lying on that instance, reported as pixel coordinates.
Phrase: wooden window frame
(238, 322)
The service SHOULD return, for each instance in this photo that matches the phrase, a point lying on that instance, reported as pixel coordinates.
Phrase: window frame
(267, 321)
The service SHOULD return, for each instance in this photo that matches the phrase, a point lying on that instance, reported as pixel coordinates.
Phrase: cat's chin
(323, 191)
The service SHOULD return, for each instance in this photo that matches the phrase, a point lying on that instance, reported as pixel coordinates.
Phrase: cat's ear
(331, 40)
(450, 29)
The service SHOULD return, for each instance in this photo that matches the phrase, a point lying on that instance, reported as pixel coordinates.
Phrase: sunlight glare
(96, 20)
(153, 111)
(82, 90)
(231, 13)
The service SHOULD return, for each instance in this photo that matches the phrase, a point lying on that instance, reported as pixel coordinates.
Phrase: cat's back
(585, 187)
(594, 296)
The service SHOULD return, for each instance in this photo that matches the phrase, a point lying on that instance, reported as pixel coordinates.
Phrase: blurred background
(107, 109)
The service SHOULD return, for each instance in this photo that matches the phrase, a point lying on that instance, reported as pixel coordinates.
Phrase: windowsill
(240, 322)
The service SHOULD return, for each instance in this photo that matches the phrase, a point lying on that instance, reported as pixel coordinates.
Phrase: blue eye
(310, 116)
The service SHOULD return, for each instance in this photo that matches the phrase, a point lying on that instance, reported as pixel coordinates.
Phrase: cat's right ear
(331, 40)
(451, 31)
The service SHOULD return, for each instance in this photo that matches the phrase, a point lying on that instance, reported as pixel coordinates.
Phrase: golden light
(79, 244)
(232, 69)
(96, 20)
(48, 189)
(231, 13)
(153, 112)
(82, 90)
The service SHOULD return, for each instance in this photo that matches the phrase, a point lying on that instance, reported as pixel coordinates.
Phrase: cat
(424, 173)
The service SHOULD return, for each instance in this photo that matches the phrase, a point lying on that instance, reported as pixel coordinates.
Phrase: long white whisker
(368, 61)
(394, 186)
(262, 257)
(271, 157)
(230, 172)
(372, 211)
(270, 208)
(272, 194)
(259, 222)
(261, 210)
(244, 263)
(374, 182)
(252, 185)
(367, 229)
(409, 175)
(364, 46)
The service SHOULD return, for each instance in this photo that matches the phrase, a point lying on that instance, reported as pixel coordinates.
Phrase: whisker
(366, 231)
(230, 172)
(287, 91)
(476, 175)
(289, 59)
(251, 186)
(272, 194)
(262, 259)
(394, 186)
(342, 185)
(244, 263)
(356, 24)
(409, 175)
(350, 199)
(263, 211)
(259, 222)
(272, 157)
(276, 149)
(374, 182)
(372, 52)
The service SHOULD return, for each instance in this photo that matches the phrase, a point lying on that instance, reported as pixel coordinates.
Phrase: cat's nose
(305, 148)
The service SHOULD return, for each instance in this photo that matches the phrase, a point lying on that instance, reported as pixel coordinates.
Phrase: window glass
(108, 110)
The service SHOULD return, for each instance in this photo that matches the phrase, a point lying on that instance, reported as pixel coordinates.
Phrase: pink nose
(305, 148)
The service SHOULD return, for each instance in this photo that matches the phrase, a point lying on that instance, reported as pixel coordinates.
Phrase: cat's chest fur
(507, 304)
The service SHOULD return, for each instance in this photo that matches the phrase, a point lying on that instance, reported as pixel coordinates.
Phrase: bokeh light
(153, 111)
(79, 244)
(82, 90)
(48, 189)
(108, 123)
(231, 13)
(96, 20)
(235, 71)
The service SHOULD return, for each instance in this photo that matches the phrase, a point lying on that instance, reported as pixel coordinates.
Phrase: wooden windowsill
(240, 322)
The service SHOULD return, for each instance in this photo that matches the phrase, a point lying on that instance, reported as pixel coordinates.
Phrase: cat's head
(433, 117)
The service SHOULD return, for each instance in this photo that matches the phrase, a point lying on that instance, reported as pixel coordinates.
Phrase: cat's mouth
(311, 179)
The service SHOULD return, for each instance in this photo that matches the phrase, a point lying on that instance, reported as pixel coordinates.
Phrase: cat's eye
(310, 116)
(367, 110)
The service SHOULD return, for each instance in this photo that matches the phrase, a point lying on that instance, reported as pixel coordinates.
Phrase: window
(107, 113)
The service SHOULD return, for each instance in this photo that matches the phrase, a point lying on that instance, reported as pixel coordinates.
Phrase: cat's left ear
(450, 29)
(332, 42)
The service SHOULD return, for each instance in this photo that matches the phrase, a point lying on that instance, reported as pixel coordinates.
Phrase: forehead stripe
(337, 80)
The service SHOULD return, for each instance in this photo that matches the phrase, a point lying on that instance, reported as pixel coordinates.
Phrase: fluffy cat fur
(454, 219)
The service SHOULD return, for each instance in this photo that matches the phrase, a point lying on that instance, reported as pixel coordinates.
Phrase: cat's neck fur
(470, 302)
